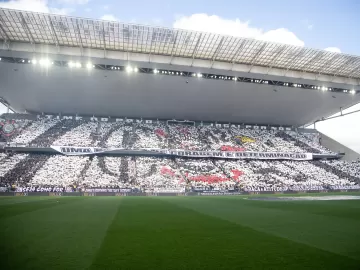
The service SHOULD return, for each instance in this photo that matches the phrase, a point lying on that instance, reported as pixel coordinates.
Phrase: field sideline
(178, 233)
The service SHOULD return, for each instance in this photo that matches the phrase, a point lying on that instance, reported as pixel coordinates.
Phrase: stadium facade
(211, 77)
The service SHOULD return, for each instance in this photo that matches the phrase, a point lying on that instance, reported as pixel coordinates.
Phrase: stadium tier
(46, 132)
(26, 172)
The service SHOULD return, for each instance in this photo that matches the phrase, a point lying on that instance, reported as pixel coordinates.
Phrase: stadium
(135, 147)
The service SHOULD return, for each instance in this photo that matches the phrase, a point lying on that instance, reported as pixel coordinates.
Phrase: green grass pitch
(177, 233)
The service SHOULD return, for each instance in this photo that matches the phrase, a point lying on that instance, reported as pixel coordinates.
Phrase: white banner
(237, 155)
(75, 151)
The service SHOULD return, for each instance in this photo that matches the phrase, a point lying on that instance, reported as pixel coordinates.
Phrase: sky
(331, 25)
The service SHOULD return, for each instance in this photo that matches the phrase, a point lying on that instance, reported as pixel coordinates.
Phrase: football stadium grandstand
(117, 107)
(214, 129)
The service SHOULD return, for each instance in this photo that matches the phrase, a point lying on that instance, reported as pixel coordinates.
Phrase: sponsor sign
(74, 151)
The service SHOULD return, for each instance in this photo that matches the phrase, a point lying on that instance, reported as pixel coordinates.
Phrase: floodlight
(136, 69)
(352, 92)
(44, 62)
(324, 88)
(156, 71)
(89, 66)
(129, 69)
(78, 65)
(34, 61)
(199, 75)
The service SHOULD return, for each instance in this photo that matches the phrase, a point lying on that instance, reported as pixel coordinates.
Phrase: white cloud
(73, 2)
(109, 17)
(34, 5)
(333, 49)
(281, 35)
(236, 27)
(30, 5)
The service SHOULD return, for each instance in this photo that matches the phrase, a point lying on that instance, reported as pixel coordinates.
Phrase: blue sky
(317, 24)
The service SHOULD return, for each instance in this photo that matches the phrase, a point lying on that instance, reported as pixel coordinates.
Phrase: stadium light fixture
(129, 69)
(34, 61)
(78, 65)
(181, 73)
(136, 69)
(156, 71)
(199, 75)
(44, 62)
(71, 64)
(352, 92)
(89, 66)
(324, 88)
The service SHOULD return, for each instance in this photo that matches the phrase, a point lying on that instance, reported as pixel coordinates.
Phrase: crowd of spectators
(150, 174)
(153, 174)
(46, 132)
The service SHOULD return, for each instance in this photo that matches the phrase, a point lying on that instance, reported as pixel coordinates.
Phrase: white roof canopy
(37, 28)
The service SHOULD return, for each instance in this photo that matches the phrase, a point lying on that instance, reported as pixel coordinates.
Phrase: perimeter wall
(202, 193)
(335, 146)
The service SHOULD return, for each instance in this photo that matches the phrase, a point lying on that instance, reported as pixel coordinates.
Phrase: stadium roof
(107, 92)
(37, 28)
